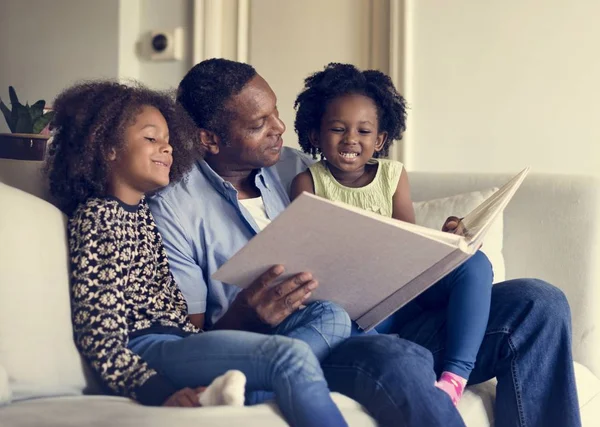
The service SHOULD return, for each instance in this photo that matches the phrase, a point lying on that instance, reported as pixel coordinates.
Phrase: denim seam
(278, 372)
(517, 384)
(322, 336)
(361, 370)
(513, 369)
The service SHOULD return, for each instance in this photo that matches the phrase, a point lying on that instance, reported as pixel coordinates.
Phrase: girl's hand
(184, 398)
(454, 225)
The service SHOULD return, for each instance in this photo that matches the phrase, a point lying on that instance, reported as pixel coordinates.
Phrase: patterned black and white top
(121, 288)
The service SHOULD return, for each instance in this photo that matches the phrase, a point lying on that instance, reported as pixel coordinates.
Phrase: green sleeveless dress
(374, 197)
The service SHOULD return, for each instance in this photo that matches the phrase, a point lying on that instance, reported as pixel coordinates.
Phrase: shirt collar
(223, 186)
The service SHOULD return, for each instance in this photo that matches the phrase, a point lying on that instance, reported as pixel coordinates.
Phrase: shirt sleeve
(291, 163)
(181, 254)
(98, 263)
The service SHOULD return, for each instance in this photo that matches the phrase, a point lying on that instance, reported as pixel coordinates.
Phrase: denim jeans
(321, 324)
(465, 296)
(284, 365)
(526, 346)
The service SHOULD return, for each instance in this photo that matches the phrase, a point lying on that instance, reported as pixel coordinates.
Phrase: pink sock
(452, 384)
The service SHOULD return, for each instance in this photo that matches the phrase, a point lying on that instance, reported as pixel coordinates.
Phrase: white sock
(228, 389)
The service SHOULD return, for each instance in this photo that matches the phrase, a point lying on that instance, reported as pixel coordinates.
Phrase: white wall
(289, 40)
(46, 46)
(492, 86)
(496, 85)
(165, 14)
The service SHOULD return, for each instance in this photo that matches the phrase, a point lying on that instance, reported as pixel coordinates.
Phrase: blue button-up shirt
(203, 225)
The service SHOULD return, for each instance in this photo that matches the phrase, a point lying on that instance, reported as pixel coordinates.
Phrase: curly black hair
(208, 86)
(90, 120)
(344, 79)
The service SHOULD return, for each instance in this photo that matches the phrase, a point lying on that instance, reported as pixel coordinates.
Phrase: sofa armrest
(551, 232)
(26, 175)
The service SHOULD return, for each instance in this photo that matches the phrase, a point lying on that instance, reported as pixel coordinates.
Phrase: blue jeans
(322, 325)
(465, 295)
(284, 365)
(526, 346)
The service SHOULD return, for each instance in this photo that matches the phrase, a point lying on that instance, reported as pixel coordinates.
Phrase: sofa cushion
(5, 390)
(476, 409)
(118, 411)
(433, 213)
(36, 344)
(25, 175)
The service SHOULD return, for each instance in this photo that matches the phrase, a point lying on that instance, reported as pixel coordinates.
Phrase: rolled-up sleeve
(185, 267)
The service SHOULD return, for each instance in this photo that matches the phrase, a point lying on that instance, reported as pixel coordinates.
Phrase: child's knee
(335, 321)
(480, 267)
(291, 356)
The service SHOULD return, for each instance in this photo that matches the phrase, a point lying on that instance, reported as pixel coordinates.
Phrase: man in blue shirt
(243, 183)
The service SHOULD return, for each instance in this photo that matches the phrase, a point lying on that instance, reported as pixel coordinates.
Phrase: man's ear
(313, 137)
(209, 141)
(381, 139)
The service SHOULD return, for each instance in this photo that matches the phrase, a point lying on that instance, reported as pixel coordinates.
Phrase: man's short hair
(206, 88)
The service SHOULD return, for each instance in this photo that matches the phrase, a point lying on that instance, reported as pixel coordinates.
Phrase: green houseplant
(26, 122)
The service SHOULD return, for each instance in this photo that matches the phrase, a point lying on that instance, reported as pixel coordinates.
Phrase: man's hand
(261, 305)
(184, 398)
(454, 225)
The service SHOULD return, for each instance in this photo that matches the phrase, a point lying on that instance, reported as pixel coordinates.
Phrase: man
(243, 184)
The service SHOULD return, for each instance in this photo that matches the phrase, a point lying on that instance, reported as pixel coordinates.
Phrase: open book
(369, 264)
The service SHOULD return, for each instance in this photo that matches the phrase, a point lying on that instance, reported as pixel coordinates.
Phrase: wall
(44, 47)
(289, 40)
(161, 14)
(492, 86)
(495, 86)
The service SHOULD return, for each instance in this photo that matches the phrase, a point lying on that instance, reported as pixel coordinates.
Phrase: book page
(358, 259)
(368, 264)
(478, 221)
(437, 235)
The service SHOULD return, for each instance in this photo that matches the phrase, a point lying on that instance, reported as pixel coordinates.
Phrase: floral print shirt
(122, 287)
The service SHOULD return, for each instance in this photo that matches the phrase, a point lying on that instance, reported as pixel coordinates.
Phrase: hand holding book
(268, 300)
(454, 225)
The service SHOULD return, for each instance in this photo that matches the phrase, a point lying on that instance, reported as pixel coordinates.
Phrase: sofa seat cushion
(476, 408)
(116, 411)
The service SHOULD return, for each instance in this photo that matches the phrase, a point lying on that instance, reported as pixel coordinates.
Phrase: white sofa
(551, 231)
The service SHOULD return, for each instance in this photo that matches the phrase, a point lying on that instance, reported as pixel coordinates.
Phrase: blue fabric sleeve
(291, 163)
(181, 254)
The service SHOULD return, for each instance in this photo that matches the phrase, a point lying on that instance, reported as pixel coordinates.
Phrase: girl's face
(349, 135)
(144, 162)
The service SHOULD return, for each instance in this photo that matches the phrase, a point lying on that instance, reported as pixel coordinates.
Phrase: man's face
(253, 138)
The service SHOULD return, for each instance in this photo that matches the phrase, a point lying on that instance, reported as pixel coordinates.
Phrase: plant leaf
(36, 110)
(7, 116)
(42, 122)
(13, 96)
(14, 105)
(24, 123)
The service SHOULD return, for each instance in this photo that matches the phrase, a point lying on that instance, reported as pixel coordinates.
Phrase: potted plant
(28, 124)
